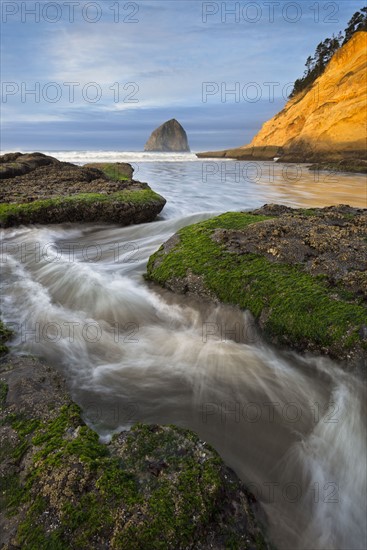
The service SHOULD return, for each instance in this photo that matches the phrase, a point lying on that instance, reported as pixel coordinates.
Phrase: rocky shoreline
(302, 274)
(39, 189)
(150, 487)
(348, 162)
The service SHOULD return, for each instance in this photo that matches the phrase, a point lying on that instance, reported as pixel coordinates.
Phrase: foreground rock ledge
(151, 487)
(36, 188)
(302, 273)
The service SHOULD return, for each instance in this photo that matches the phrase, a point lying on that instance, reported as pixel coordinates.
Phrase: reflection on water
(293, 428)
(233, 185)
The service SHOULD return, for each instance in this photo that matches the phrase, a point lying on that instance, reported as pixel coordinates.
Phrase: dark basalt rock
(330, 242)
(357, 166)
(118, 170)
(17, 164)
(36, 188)
(169, 137)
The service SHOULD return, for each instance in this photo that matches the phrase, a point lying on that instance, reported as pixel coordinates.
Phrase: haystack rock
(326, 121)
(169, 137)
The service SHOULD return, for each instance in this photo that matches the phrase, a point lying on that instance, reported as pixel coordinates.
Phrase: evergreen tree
(325, 50)
(357, 23)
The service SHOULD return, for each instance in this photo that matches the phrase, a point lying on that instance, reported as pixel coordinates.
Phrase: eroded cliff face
(326, 121)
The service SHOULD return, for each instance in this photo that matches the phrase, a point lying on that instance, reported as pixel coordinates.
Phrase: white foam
(83, 157)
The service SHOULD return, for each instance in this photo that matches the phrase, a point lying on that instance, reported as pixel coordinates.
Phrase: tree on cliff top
(357, 23)
(325, 50)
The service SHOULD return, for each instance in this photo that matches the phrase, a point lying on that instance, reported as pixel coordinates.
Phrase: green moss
(12, 493)
(177, 508)
(299, 308)
(9, 210)
(31, 534)
(23, 427)
(192, 490)
(55, 446)
(59, 443)
(116, 483)
(308, 211)
(114, 171)
(5, 335)
(3, 393)
(20, 450)
(96, 494)
(197, 251)
(90, 517)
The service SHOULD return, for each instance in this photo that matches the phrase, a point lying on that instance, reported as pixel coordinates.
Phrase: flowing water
(293, 428)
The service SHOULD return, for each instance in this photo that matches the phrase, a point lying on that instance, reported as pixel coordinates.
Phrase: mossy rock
(151, 487)
(118, 171)
(301, 273)
(5, 335)
(137, 204)
(36, 188)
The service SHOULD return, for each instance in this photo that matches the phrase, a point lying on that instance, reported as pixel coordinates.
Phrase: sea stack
(169, 137)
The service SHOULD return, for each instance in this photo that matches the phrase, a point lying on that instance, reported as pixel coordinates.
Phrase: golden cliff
(327, 121)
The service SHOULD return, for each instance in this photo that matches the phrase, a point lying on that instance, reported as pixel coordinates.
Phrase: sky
(102, 75)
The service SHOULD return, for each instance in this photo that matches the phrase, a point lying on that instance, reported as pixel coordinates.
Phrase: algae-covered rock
(301, 273)
(114, 170)
(5, 334)
(151, 487)
(41, 189)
